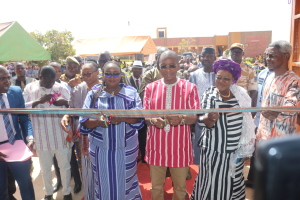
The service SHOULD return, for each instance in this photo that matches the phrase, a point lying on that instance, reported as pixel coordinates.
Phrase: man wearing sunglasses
(153, 74)
(169, 139)
(203, 78)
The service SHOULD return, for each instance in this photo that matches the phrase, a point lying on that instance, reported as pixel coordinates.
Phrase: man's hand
(85, 145)
(61, 102)
(158, 122)
(30, 145)
(74, 81)
(65, 122)
(174, 120)
(2, 156)
(270, 115)
(45, 98)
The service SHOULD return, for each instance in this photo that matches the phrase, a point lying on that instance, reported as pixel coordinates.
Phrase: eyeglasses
(2, 79)
(165, 66)
(270, 56)
(108, 75)
(226, 80)
(88, 74)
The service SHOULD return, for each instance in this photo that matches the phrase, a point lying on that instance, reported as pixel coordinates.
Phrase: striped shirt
(48, 133)
(225, 135)
(172, 148)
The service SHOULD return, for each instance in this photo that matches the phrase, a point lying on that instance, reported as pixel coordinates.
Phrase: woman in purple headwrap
(227, 139)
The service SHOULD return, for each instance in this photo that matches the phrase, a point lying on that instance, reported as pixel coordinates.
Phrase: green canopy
(16, 44)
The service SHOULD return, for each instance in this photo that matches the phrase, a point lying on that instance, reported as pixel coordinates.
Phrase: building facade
(255, 42)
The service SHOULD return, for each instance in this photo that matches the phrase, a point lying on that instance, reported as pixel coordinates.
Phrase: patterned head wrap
(230, 66)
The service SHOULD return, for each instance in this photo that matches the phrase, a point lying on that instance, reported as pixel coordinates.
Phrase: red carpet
(143, 172)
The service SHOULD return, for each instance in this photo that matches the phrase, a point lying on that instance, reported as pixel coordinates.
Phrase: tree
(58, 44)
(184, 45)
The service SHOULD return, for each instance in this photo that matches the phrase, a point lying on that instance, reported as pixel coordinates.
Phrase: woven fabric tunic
(217, 144)
(114, 150)
(171, 148)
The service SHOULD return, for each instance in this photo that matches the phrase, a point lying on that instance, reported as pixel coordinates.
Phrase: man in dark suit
(135, 80)
(10, 130)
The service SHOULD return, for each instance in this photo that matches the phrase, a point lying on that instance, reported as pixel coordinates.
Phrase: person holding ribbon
(169, 138)
(227, 139)
(113, 141)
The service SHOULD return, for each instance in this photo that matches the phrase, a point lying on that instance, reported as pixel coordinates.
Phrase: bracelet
(151, 122)
(182, 120)
(105, 123)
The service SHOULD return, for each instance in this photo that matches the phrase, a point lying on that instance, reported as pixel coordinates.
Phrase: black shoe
(48, 197)
(11, 197)
(57, 186)
(77, 188)
(68, 197)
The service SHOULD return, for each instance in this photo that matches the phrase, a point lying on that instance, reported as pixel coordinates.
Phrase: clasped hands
(106, 121)
(161, 123)
(59, 102)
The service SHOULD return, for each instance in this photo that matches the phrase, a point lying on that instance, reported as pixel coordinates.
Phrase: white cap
(137, 63)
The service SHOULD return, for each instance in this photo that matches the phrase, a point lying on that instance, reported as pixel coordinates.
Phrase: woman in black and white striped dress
(221, 156)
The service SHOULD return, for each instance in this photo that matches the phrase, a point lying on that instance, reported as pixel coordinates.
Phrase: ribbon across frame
(95, 113)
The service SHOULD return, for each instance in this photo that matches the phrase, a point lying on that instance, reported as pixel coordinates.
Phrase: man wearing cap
(135, 81)
(72, 78)
(72, 68)
(203, 78)
(80, 61)
(137, 69)
(247, 79)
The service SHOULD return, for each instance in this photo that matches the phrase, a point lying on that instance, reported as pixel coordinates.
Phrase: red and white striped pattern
(172, 149)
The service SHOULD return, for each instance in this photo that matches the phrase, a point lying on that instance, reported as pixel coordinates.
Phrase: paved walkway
(144, 176)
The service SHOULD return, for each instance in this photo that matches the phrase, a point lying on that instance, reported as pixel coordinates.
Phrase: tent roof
(17, 44)
(127, 45)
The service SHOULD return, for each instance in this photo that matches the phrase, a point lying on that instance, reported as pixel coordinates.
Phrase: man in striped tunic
(50, 139)
(168, 138)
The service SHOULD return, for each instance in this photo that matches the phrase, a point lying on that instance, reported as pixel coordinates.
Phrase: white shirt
(261, 79)
(3, 133)
(48, 133)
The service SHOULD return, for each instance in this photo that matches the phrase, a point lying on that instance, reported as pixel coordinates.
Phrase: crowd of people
(102, 153)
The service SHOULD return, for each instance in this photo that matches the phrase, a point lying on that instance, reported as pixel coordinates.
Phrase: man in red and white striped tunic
(169, 138)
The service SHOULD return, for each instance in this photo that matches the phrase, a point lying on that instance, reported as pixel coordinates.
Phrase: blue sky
(193, 18)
